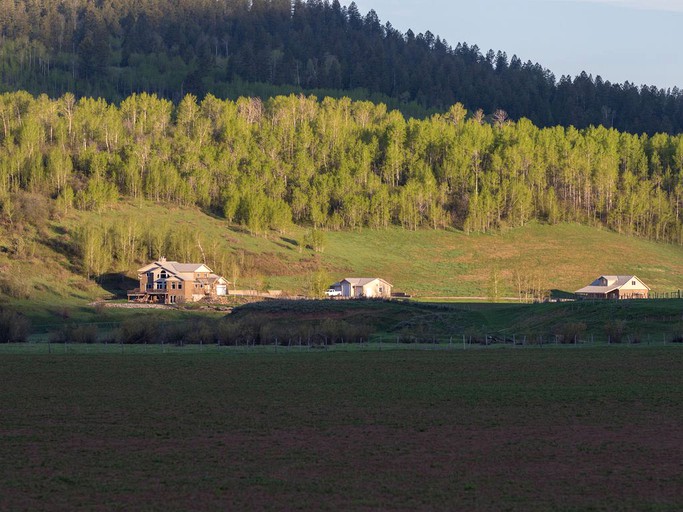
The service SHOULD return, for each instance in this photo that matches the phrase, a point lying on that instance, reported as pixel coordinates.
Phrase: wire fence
(373, 343)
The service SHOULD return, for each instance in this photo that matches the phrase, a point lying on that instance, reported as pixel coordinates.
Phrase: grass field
(591, 429)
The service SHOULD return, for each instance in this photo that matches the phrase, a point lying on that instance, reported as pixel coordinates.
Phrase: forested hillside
(112, 49)
(334, 164)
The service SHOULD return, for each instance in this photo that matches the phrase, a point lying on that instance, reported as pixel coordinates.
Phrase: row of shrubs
(223, 332)
(15, 327)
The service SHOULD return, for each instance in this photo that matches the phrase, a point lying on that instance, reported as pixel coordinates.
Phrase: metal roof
(607, 283)
(362, 281)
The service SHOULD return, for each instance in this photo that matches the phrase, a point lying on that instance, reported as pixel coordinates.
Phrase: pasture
(506, 429)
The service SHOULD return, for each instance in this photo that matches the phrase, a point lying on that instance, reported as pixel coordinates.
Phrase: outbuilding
(614, 287)
(365, 287)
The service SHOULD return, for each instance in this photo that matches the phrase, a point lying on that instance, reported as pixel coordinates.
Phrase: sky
(639, 41)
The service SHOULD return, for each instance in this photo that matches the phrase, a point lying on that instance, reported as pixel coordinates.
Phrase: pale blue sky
(636, 40)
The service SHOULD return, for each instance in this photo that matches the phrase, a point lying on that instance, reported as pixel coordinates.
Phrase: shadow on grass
(561, 294)
(117, 284)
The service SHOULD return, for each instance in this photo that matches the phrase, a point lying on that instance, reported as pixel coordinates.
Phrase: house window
(180, 286)
(173, 286)
(149, 286)
(633, 283)
(163, 274)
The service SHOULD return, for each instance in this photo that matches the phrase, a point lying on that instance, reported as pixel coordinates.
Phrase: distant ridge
(261, 48)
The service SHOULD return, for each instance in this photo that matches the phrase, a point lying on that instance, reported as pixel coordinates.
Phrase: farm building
(614, 287)
(170, 282)
(365, 287)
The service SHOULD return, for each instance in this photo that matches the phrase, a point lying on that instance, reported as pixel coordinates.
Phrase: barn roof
(608, 283)
(362, 281)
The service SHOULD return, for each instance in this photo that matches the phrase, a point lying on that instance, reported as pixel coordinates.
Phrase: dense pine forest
(230, 48)
(334, 164)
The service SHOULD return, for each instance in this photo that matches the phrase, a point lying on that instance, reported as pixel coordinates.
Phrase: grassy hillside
(429, 263)
(47, 277)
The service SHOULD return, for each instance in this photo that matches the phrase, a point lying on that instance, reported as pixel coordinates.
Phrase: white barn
(365, 287)
(614, 287)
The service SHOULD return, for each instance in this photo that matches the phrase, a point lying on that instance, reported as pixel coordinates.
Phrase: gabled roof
(189, 267)
(184, 271)
(606, 284)
(362, 281)
(213, 278)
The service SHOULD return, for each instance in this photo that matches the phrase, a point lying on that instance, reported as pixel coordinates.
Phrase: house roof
(183, 271)
(362, 281)
(211, 279)
(611, 283)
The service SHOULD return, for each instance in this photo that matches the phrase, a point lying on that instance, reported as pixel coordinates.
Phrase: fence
(373, 343)
(666, 295)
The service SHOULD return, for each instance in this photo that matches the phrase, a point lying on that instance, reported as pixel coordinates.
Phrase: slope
(48, 276)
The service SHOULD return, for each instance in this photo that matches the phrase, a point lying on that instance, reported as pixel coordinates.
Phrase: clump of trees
(117, 245)
(330, 164)
(250, 331)
(74, 333)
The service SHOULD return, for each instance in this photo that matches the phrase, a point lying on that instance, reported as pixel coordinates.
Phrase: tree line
(333, 164)
(266, 47)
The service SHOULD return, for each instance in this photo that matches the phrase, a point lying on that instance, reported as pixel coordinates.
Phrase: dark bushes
(241, 332)
(615, 330)
(75, 334)
(192, 333)
(570, 332)
(139, 330)
(14, 327)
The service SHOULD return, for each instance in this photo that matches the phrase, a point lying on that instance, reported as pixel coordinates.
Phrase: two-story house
(170, 282)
